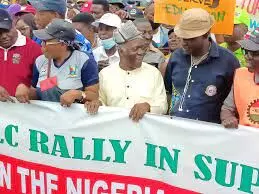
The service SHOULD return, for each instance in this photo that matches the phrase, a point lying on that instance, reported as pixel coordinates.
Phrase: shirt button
(195, 67)
(128, 73)
(187, 111)
(127, 98)
(189, 96)
(127, 86)
(192, 81)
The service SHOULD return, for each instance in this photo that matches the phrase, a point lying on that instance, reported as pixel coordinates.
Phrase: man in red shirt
(17, 57)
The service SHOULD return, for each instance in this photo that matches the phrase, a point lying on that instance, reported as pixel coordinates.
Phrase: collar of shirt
(20, 41)
(100, 55)
(214, 51)
(137, 70)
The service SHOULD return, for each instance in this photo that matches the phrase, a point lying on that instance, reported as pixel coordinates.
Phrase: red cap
(87, 6)
(27, 9)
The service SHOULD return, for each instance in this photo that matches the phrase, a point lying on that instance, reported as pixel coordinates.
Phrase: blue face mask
(108, 43)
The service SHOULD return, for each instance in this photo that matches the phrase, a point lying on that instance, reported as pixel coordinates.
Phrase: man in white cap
(107, 53)
(199, 76)
(131, 83)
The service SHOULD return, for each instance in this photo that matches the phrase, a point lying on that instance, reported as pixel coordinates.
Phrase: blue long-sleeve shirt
(209, 84)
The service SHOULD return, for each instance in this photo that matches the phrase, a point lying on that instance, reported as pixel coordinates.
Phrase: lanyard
(49, 68)
(189, 77)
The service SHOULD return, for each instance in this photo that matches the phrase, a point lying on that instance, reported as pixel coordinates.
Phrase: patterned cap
(127, 32)
(252, 43)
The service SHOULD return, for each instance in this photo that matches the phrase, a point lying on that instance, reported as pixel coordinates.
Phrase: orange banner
(169, 12)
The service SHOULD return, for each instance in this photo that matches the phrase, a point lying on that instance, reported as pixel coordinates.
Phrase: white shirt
(100, 55)
(119, 88)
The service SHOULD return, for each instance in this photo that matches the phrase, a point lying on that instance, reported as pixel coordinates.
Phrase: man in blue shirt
(47, 10)
(199, 76)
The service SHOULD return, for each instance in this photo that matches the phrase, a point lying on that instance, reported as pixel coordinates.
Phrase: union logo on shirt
(16, 58)
(73, 70)
(253, 112)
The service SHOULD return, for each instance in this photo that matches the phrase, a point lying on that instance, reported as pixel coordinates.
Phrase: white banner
(45, 148)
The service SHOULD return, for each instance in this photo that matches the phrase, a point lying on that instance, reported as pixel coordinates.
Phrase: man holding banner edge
(241, 105)
(199, 76)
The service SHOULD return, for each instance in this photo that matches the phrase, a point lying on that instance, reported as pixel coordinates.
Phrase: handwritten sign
(170, 11)
(252, 7)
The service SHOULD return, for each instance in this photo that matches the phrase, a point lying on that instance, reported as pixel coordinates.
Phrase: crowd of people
(112, 53)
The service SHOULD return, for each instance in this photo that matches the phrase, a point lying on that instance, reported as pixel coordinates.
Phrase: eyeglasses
(44, 43)
(250, 53)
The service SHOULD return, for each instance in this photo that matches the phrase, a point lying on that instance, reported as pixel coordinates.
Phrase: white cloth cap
(109, 19)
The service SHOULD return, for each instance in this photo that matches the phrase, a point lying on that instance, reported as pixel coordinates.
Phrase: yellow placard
(169, 12)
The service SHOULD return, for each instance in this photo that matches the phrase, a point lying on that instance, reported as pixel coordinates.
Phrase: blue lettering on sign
(254, 24)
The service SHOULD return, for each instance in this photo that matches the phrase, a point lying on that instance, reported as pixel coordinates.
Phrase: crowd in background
(113, 53)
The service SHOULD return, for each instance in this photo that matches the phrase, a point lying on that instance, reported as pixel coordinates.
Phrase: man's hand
(230, 122)
(22, 93)
(93, 106)
(122, 14)
(138, 111)
(4, 95)
(69, 97)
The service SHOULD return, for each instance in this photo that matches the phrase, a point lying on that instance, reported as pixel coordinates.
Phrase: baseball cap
(119, 2)
(194, 23)
(59, 6)
(14, 8)
(27, 9)
(109, 19)
(135, 13)
(252, 43)
(127, 32)
(5, 20)
(58, 29)
(241, 17)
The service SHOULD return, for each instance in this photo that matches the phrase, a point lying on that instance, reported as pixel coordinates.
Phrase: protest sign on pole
(49, 149)
(169, 12)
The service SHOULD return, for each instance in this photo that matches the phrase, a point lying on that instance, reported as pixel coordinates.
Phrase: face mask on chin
(108, 43)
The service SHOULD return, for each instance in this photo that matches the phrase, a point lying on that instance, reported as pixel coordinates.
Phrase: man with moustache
(199, 76)
(131, 83)
(17, 57)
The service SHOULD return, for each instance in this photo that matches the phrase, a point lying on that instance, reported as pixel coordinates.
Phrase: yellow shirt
(119, 88)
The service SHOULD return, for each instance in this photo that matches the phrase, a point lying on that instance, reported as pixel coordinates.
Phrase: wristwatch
(83, 97)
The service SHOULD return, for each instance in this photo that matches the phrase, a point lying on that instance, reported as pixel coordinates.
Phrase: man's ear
(121, 49)
(206, 36)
